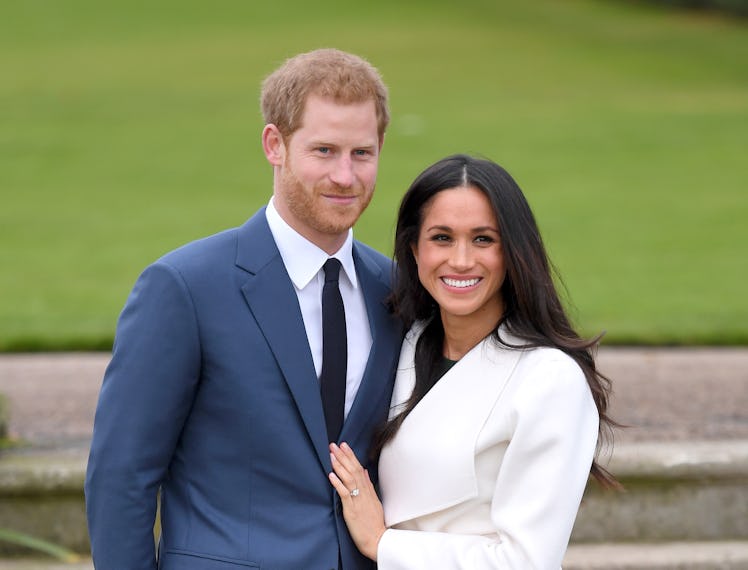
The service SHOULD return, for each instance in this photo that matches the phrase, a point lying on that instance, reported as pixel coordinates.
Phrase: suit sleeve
(145, 397)
(538, 489)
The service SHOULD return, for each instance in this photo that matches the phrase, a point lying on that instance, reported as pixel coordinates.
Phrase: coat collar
(453, 413)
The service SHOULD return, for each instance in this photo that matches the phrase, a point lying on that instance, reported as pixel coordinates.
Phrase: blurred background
(130, 128)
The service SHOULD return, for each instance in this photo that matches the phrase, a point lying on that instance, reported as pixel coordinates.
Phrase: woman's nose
(461, 257)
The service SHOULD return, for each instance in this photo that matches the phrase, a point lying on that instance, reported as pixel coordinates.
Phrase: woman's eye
(440, 237)
(484, 239)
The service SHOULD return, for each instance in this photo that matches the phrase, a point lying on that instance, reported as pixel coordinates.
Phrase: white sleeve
(538, 489)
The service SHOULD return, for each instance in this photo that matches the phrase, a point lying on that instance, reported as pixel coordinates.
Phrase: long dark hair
(533, 310)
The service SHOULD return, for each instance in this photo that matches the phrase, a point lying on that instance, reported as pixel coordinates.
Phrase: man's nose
(342, 173)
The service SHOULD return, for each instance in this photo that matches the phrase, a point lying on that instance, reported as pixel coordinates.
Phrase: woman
(497, 404)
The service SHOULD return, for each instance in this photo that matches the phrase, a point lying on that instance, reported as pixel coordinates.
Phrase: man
(213, 395)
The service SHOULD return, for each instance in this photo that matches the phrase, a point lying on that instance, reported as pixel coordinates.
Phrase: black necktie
(334, 351)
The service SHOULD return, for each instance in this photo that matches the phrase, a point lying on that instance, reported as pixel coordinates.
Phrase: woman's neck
(461, 334)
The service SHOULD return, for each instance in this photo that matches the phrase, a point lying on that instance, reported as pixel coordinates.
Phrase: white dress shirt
(304, 261)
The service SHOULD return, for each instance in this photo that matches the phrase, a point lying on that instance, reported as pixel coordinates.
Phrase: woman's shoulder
(535, 355)
(552, 356)
(551, 373)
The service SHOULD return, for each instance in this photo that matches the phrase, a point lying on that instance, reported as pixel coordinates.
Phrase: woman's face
(460, 258)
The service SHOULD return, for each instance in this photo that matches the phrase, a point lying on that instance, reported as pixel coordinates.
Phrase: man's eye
(324, 149)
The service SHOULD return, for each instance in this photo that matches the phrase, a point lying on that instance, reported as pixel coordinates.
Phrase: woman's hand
(362, 509)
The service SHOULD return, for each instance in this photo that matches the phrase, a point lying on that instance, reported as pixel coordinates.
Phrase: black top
(442, 367)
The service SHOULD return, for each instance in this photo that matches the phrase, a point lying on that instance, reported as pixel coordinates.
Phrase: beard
(309, 208)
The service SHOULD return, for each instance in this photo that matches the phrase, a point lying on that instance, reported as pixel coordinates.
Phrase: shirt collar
(302, 258)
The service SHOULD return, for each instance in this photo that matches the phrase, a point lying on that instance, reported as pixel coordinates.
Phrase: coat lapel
(450, 416)
(271, 298)
(386, 337)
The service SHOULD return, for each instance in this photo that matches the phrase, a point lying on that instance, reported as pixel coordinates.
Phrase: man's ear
(273, 145)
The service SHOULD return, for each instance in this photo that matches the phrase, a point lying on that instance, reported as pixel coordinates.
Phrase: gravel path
(663, 394)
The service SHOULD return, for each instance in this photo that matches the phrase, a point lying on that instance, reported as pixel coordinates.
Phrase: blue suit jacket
(211, 395)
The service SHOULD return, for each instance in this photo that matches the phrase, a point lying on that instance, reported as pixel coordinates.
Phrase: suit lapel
(386, 338)
(272, 300)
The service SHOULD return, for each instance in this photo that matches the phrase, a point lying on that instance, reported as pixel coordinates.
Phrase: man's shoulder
(372, 255)
(202, 250)
(214, 249)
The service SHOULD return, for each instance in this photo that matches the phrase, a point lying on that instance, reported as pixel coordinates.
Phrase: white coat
(488, 470)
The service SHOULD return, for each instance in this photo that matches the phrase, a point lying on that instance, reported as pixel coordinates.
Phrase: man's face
(327, 170)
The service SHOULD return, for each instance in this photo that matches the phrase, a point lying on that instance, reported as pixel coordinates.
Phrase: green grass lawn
(129, 128)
